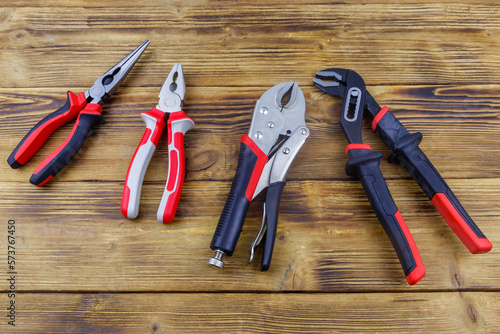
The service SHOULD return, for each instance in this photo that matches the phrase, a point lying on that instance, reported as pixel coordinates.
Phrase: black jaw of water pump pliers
(364, 164)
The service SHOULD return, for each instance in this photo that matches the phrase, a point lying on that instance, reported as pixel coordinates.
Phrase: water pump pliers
(277, 133)
(87, 107)
(364, 164)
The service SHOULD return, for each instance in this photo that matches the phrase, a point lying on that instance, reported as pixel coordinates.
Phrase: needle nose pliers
(364, 164)
(87, 106)
(167, 113)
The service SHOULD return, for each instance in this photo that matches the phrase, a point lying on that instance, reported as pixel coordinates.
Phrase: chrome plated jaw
(271, 118)
(171, 97)
(109, 82)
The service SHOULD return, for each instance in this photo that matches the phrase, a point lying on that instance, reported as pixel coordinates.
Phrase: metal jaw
(109, 82)
(336, 86)
(348, 85)
(272, 119)
(173, 91)
(336, 81)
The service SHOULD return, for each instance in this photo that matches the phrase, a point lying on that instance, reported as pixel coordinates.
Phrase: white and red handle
(155, 125)
(177, 126)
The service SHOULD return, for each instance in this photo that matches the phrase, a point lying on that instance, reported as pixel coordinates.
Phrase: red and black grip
(405, 150)
(364, 164)
(55, 162)
(251, 162)
(35, 138)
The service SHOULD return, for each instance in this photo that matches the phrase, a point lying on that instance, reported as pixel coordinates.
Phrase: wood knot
(472, 314)
(154, 327)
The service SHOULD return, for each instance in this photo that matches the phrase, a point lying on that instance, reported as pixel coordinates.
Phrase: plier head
(109, 82)
(350, 86)
(277, 114)
(332, 81)
(171, 97)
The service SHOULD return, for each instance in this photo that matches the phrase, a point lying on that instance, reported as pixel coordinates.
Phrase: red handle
(474, 240)
(35, 138)
(404, 148)
(177, 126)
(89, 117)
(364, 164)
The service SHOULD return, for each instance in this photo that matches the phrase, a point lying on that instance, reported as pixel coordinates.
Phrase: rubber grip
(251, 162)
(55, 162)
(364, 164)
(404, 149)
(177, 126)
(155, 125)
(37, 136)
(273, 198)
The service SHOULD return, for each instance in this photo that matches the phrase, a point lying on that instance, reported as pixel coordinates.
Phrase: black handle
(273, 198)
(404, 149)
(251, 161)
(364, 164)
(86, 121)
(35, 138)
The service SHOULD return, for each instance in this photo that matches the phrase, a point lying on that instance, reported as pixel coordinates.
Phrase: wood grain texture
(248, 45)
(83, 268)
(73, 238)
(459, 124)
(465, 312)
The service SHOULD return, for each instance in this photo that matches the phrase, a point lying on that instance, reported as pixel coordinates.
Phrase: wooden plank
(82, 267)
(459, 124)
(109, 4)
(72, 237)
(248, 45)
(257, 313)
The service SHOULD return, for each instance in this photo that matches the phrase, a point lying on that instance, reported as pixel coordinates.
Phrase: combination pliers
(277, 133)
(87, 106)
(364, 164)
(168, 113)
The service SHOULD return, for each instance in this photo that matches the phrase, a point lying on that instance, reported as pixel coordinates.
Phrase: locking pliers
(277, 133)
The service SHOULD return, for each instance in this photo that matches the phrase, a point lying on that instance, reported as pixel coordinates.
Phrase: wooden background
(82, 267)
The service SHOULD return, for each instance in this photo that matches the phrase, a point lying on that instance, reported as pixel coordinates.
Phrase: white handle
(139, 164)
